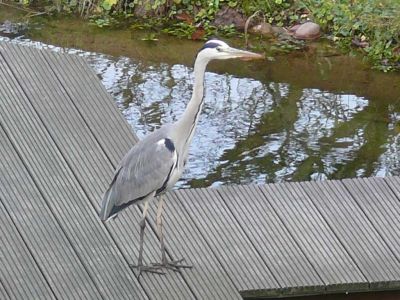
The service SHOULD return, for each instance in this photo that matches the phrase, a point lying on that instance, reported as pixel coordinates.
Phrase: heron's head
(216, 49)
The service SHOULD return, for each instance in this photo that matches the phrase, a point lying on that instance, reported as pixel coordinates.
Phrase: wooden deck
(61, 136)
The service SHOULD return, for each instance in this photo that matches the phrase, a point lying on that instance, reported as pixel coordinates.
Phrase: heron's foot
(151, 269)
(174, 265)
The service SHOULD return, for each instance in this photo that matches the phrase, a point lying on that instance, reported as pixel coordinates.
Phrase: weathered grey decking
(61, 137)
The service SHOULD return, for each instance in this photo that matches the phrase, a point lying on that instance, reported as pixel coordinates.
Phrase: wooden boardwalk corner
(61, 136)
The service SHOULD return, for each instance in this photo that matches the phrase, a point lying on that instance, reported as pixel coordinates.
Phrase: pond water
(310, 115)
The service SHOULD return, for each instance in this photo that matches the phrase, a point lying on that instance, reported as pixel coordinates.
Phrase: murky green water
(305, 116)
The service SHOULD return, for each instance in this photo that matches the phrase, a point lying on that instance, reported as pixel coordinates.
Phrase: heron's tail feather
(108, 202)
(107, 205)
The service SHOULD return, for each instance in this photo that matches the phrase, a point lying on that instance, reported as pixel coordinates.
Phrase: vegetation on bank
(370, 26)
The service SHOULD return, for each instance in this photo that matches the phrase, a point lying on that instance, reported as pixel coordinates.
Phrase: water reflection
(253, 131)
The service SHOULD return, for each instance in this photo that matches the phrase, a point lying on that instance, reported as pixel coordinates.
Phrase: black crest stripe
(210, 45)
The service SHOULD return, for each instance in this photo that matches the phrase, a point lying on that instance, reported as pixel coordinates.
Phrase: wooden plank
(30, 212)
(272, 240)
(20, 274)
(69, 204)
(381, 206)
(394, 184)
(3, 293)
(317, 241)
(78, 79)
(207, 278)
(60, 118)
(230, 244)
(374, 258)
(88, 162)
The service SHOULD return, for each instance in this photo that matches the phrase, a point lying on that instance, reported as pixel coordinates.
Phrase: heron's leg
(175, 264)
(160, 230)
(142, 224)
(142, 228)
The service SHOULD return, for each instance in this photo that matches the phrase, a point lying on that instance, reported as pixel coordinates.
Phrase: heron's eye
(219, 49)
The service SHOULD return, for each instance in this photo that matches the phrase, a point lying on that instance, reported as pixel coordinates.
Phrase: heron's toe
(174, 265)
(150, 269)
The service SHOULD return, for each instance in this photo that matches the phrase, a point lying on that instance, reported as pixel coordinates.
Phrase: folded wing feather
(143, 171)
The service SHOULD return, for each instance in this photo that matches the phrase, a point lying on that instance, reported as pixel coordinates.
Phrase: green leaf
(107, 4)
(232, 3)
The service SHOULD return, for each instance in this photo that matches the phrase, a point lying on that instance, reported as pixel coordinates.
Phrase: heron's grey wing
(145, 169)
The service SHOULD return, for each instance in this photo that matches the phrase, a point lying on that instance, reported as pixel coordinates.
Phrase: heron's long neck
(187, 123)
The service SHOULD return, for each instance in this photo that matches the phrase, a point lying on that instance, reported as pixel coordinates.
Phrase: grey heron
(155, 163)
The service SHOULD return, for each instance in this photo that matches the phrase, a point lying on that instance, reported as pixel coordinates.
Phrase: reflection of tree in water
(389, 162)
(373, 130)
(254, 132)
(313, 135)
(247, 159)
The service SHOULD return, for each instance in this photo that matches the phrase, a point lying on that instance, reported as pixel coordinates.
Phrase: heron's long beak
(243, 54)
